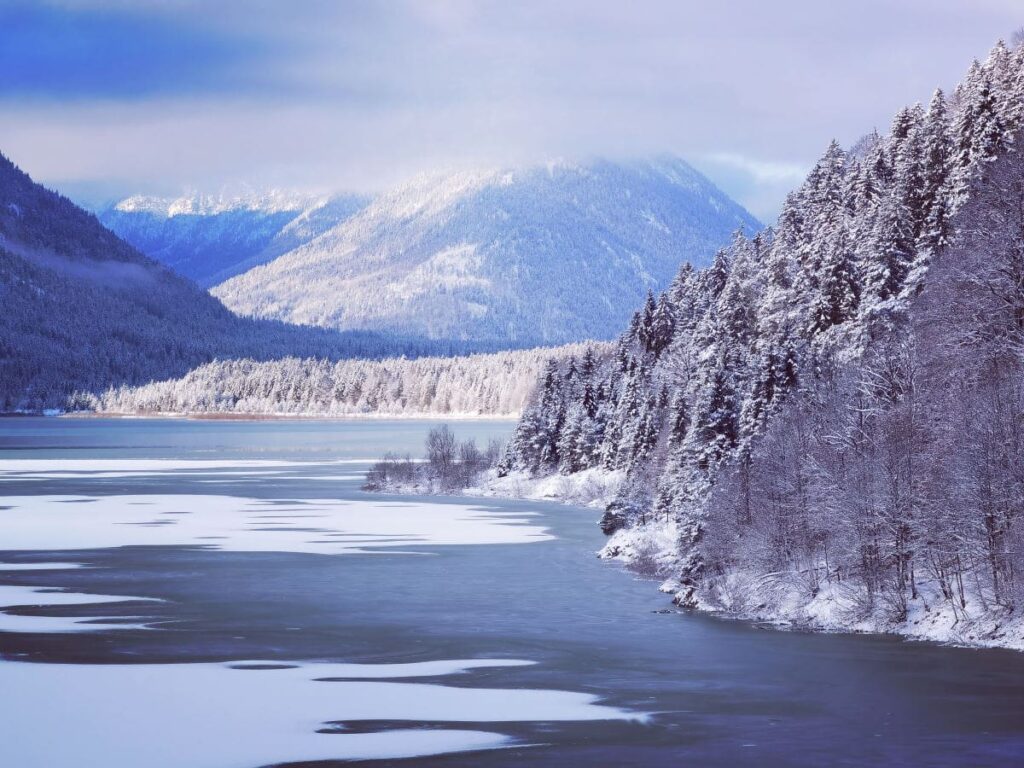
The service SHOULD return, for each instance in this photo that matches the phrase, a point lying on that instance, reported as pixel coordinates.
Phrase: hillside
(210, 239)
(495, 384)
(82, 310)
(541, 255)
(824, 426)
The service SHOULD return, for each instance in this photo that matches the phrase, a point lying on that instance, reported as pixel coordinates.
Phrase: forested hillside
(828, 422)
(81, 310)
(530, 256)
(485, 385)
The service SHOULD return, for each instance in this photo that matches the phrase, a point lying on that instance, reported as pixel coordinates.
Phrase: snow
(491, 385)
(119, 716)
(452, 255)
(594, 487)
(38, 566)
(837, 607)
(238, 524)
(13, 596)
(195, 204)
(54, 469)
(651, 549)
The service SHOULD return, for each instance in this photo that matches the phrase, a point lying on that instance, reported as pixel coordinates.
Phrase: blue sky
(107, 97)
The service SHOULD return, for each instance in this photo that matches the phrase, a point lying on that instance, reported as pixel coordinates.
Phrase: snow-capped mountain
(210, 238)
(546, 254)
(81, 310)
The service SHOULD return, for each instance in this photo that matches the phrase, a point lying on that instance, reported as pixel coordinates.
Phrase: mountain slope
(81, 310)
(548, 255)
(825, 426)
(212, 239)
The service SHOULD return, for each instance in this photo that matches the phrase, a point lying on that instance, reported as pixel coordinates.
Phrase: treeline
(837, 400)
(494, 384)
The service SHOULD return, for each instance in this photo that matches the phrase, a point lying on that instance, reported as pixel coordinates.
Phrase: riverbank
(779, 600)
(284, 416)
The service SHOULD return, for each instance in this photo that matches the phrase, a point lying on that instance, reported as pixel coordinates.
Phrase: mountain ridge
(210, 238)
(453, 255)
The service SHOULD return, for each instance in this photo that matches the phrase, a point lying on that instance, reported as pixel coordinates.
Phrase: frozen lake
(215, 594)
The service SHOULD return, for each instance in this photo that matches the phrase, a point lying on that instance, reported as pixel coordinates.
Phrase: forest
(495, 384)
(827, 422)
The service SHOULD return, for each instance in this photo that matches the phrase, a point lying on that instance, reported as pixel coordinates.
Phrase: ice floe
(15, 596)
(124, 716)
(65, 469)
(241, 524)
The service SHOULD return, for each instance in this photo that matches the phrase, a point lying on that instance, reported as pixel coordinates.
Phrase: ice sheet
(240, 524)
(122, 716)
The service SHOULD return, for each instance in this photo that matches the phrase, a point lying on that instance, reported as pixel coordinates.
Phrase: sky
(104, 98)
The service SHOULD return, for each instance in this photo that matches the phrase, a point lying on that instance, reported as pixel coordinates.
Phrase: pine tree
(889, 257)
(663, 325)
(838, 294)
(715, 421)
(935, 173)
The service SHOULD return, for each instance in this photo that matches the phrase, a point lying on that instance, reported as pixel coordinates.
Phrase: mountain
(210, 239)
(825, 426)
(546, 254)
(81, 310)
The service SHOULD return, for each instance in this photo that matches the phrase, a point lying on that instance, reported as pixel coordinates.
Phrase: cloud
(74, 54)
(191, 93)
(764, 171)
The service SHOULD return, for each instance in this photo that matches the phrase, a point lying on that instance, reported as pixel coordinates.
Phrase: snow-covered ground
(589, 488)
(838, 607)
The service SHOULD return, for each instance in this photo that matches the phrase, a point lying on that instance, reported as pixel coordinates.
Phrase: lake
(211, 594)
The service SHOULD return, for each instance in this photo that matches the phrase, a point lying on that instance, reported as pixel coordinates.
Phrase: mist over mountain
(210, 239)
(545, 254)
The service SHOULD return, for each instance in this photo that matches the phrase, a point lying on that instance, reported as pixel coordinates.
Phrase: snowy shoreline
(283, 416)
(650, 551)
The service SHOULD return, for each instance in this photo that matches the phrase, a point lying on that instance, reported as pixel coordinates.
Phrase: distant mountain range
(540, 255)
(210, 239)
(81, 310)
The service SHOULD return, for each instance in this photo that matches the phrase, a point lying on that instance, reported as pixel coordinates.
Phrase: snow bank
(838, 607)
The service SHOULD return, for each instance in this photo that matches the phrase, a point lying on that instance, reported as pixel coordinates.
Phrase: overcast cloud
(108, 97)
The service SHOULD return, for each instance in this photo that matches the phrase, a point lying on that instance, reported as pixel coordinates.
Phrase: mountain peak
(546, 253)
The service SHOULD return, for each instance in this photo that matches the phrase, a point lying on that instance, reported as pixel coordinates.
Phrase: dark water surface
(716, 693)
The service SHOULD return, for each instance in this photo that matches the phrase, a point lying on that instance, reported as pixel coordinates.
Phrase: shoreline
(648, 552)
(232, 416)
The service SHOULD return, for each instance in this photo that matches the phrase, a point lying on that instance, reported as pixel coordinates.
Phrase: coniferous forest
(828, 419)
